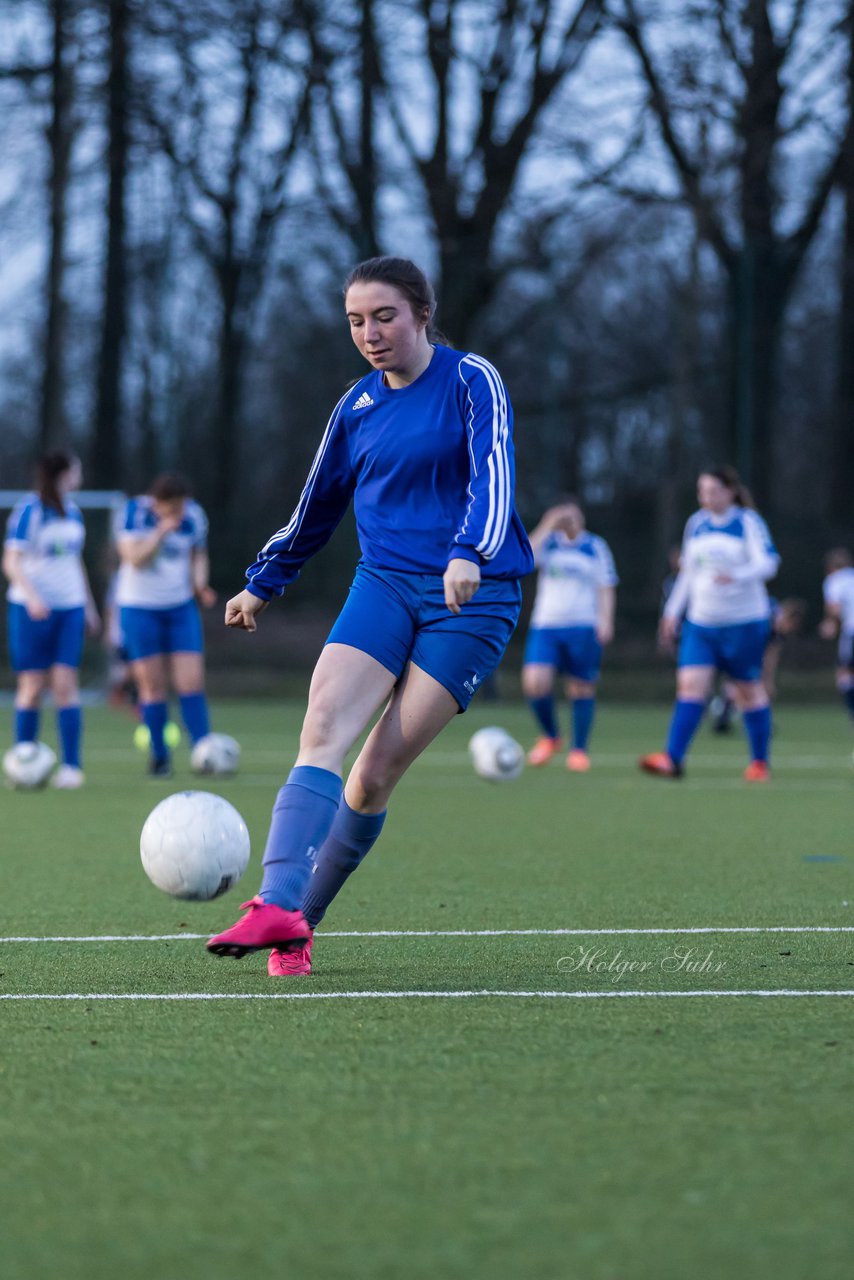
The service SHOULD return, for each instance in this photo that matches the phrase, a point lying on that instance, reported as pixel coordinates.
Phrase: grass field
(616, 1138)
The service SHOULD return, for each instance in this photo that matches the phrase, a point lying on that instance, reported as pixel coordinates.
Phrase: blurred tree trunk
(59, 135)
(106, 462)
(760, 261)
(842, 456)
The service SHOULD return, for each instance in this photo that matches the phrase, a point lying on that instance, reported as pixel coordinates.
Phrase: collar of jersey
(394, 393)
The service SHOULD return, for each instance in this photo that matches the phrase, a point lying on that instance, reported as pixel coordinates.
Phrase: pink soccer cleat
(757, 771)
(578, 761)
(660, 764)
(291, 964)
(264, 925)
(543, 750)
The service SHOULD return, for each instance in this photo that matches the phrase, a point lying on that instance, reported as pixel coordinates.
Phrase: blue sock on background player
(194, 712)
(544, 713)
(154, 719)
(26, 724)
(69, 724)
(848, 698)
(583, 711)
(352, 837)
(302, 819)
(687, 715)
(757, 726)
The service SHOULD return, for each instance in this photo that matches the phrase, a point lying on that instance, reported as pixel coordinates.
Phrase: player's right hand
(37, 610)
(242, 610)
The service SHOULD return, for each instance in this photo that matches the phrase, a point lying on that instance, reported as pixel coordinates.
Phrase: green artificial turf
(614, 1138)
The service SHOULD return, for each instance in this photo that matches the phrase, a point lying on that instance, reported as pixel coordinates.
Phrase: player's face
(171, 509)
(384, 327)
(713, 496)
(572, 521)
(71, 479)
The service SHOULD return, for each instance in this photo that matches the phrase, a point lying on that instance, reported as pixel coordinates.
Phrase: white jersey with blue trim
(167, 579)
(726, 561)
(431, 473)
(839, 591)
(571, 572)
(51, 546)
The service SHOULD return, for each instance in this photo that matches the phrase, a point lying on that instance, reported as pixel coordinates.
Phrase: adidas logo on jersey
(363, 401)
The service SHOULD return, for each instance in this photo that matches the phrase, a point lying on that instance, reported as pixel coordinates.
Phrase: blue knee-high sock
(544, 713)
(26, 724)
(69, 723)
(848, 698)
(352, 837)
(154, 719)
(757, 726)
(686, 718)
(583, 711)
(302, 817)
(194, 712)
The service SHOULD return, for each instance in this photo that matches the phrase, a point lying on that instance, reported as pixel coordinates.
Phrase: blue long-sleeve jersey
(431, 472)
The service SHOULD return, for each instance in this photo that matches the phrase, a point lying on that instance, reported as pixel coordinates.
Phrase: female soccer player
(727, 557)
(162, 544)
(423, 446)
(573, 618)
(50, 605)
(838, 620)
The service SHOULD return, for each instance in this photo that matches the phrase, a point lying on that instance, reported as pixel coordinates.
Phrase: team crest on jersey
(363, 401)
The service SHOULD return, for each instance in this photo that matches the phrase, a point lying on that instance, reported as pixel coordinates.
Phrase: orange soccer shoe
(660, 763)
(757, 771)
(543, 750)
(578, 761)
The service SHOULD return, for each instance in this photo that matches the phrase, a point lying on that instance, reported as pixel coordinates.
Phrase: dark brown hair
(169, 486)
(409, 280)
(730, 479)
(49, 468)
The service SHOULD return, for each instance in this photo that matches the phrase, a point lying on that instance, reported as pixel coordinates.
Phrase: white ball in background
(495, 755)
(216, 755)
(28, 765)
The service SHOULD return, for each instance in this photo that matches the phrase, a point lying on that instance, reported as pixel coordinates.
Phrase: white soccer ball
(194, 845)
(28, 765)
(495, 755)
(217, 754)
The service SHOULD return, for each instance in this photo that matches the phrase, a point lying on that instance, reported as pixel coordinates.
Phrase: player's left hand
(605, 632)
(93, 622)
(462, 579)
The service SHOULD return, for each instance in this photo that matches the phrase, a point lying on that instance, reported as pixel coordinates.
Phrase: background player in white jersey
(727, 557)
(162, 544)
(838, 591)
(573, 617)
(50, 605)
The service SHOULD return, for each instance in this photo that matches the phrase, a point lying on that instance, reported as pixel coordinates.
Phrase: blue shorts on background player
(50, 605)
(423, 447)
(572, 619)
(161, 539)
(727, 557)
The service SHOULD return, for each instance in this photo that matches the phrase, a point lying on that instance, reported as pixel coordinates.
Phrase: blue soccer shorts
(573, 651)
(737, 649)
(147, 632)
(402, 617)
(57, 640)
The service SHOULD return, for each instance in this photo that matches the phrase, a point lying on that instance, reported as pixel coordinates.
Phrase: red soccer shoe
(291, 964)
(757, 771)
(660, 764)
(264, 925)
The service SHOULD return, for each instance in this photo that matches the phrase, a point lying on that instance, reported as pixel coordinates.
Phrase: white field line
(416, 995)
(455, 933)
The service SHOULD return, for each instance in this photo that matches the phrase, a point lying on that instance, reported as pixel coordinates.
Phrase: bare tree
(745, 88)
(842, 470)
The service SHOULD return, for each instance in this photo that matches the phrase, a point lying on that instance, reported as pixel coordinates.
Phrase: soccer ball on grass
(495, 755)
(194, 845)
(216, 754)
(28, 765)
